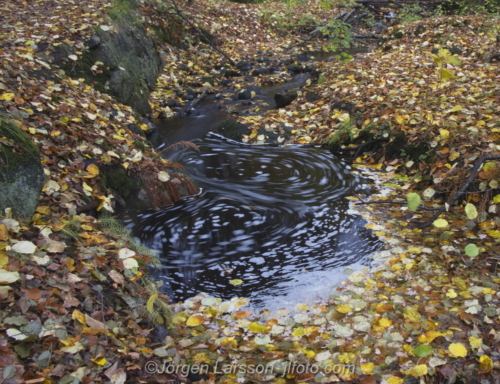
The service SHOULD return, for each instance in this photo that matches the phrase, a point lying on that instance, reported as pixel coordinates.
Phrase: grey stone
(21, 174)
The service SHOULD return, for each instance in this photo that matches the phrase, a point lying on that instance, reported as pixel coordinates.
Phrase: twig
(187, 108)
(462, 190)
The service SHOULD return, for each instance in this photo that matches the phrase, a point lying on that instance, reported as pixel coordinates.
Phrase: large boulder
(128, 60)
(21, 174)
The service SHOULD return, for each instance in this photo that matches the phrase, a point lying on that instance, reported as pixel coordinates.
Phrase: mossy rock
(396, 146)
(116, 178)
(21, 174)
(232, 129)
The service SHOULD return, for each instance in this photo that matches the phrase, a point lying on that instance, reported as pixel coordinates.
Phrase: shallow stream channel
(276, 218)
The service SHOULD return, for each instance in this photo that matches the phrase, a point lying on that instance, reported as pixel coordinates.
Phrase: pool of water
(276, 218)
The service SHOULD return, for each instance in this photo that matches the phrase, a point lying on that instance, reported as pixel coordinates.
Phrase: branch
(462, 190)
(187, 108)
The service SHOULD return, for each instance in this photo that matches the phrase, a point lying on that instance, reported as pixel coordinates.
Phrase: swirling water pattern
(267, 216)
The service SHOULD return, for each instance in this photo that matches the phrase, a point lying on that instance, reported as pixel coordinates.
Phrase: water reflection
(267, 216)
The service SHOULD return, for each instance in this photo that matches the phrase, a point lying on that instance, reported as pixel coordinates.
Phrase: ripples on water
(276, 216)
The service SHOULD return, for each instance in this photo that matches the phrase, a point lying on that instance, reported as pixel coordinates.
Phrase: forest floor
(77, 305)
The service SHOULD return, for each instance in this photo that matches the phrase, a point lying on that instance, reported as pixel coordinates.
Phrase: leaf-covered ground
(75, 304)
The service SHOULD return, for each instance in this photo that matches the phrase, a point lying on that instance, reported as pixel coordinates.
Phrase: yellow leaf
(343, 308)
(93, 169)
(195, 320)
(412, 314)
(395, 380)
(4, 259)
(87, 187)
(454, 156)
(309, 354)
(367, 368)
(475, 342)
(400, 119)
(485, 363)
(151, 302)
(451, 294)
(417, 371)
(101, 361)
(386, 323)
(383, 308)
(444, 133)
(86, 227)
(298, 332)
(445, 74)
(457, 350)
(429, 337)
(78, 315)
(495, 234)
(236, 282)
(43, 209)
(258, 328)
(456, 109)
(440, 223)
(7, 96)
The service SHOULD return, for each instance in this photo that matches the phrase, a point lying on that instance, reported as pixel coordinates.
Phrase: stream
(275, 219)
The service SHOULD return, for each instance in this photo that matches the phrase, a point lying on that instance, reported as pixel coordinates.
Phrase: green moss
(21, 174)
(140, 145)
(17, 149)
(395, 147)
(117, 179)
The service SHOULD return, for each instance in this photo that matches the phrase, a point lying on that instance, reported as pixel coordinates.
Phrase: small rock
(231, 73)
(244, 66)
(303, 58)
(152, 128)
(284, 99)
(226, 82)
(136, 129)
(188, 97)
(260, 71)
(346, 107)
(456, 50)
(94, 42)
(312, 96)
(420, 30)
(295, 68)
(171, 103)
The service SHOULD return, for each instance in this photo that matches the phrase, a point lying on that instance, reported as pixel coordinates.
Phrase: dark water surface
(275, 217)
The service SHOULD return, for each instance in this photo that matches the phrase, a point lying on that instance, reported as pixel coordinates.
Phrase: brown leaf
(33, 293)
(70, 301)
(95, 324)
(4, 233)
(117, 277)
